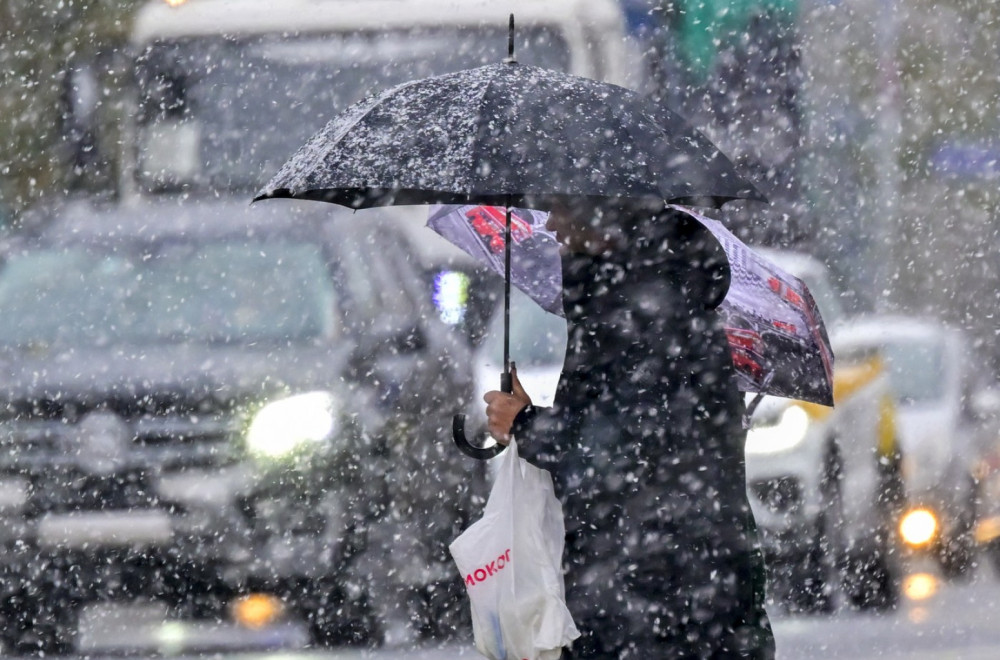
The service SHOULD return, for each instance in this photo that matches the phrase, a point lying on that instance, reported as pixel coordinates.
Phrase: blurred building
(733, 68)
(869, 124)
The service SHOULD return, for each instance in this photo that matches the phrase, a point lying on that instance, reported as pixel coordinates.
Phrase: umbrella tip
(510, 42)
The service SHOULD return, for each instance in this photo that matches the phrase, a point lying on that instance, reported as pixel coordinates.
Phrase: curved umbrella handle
(469, 449)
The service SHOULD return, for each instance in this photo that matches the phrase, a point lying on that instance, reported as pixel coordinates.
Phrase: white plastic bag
(511, 562)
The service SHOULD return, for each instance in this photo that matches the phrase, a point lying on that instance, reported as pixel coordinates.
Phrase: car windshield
(537, 338)
(86, 295)
(209, 106)
(916, 370)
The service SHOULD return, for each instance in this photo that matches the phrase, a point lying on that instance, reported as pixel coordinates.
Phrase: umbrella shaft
(506, 294)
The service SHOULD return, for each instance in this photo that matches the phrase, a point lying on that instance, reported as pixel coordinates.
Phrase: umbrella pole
(506, 385)
(506, 382)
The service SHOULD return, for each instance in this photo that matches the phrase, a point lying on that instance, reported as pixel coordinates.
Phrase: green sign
(708, 26)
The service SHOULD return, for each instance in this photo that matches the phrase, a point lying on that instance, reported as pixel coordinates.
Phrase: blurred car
(239, 413)
(824, 483)
(935, 381)
(986, 406)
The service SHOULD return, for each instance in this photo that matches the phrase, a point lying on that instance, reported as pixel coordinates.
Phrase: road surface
(936, 620)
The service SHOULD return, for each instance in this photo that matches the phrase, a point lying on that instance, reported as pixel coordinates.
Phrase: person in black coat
(645, 443)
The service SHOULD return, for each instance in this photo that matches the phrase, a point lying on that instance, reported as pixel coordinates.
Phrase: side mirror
(409, 340)
(985, 404)
(466, 299)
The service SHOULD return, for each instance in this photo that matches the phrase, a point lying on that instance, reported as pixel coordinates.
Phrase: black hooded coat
(645, 444)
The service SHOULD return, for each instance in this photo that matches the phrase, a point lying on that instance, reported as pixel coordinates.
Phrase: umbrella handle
(473, 451)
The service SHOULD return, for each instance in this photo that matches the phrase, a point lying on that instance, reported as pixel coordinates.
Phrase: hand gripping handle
(481, 451)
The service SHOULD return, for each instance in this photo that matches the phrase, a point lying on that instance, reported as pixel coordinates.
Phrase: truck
(224, 91)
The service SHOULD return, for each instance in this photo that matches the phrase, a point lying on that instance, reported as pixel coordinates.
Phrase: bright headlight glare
(283, 427)
(256, 610)
(918, 527)
(788, 432)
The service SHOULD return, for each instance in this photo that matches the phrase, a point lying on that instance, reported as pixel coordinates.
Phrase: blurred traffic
(233, 422)
(206, 410)
(227, 428)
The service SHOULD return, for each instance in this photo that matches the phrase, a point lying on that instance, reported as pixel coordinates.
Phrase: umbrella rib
(651, 173)
(474, 161)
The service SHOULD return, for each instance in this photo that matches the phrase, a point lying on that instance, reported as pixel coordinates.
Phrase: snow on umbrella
(508, 135)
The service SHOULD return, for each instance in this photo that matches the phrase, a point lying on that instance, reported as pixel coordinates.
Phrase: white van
(824, 483)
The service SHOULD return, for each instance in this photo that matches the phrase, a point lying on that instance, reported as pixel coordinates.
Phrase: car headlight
(789, 430)
(285, 427)
(918, 527)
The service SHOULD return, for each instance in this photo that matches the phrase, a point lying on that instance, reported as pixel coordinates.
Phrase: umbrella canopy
(779, 342)
(777, 338)
(508, 134)
(479, 231)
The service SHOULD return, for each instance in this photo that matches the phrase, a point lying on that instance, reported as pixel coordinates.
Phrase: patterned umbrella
(776, 334)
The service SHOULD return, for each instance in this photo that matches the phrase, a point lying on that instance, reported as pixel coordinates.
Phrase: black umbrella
(508, 135)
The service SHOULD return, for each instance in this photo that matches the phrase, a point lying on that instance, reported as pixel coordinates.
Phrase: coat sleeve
(533, 443)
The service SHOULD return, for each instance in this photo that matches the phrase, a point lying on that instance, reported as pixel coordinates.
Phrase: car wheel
(955, 558)
(956, 554)
(445, 611)
(871, 577)
(815, 579)
(335, 619)
(870, 581)
(34, 628)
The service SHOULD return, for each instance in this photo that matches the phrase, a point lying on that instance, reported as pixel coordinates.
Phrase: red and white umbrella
(776, 334)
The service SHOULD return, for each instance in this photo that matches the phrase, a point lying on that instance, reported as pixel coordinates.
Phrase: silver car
(934, 382)
(824, 483)
(204, 404)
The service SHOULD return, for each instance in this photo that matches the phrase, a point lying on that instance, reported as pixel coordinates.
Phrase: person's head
(598, 227)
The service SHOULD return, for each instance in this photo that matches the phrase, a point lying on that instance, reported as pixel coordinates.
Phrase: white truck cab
(586, 28)
(228, 90)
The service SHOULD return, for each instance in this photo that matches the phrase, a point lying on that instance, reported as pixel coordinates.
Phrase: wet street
(936, 620)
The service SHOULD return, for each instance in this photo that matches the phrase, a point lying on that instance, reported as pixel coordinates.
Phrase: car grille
(69, 490)
(127, 407)
(164, 433)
